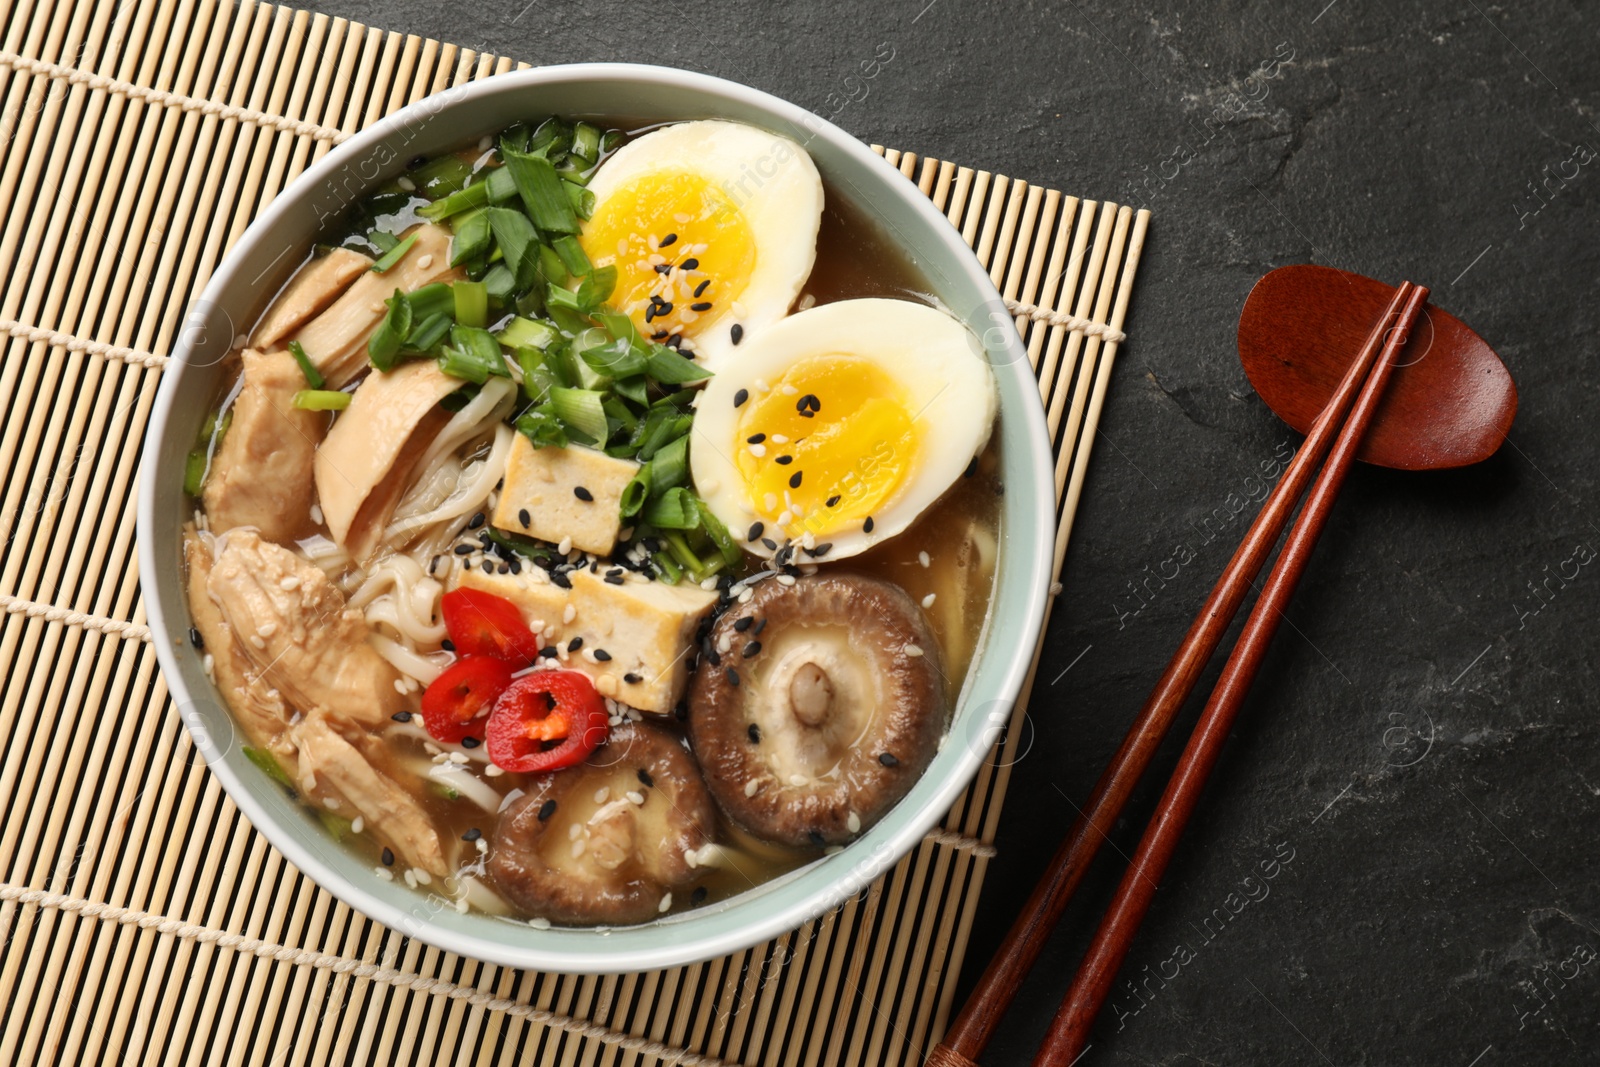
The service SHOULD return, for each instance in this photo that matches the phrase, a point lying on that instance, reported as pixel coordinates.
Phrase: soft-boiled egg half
(712, 227)
(841, 424)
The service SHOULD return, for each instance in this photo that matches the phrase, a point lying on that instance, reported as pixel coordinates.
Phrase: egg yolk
(682, 249)
(829, 444)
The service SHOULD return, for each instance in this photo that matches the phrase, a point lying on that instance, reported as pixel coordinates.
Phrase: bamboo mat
(144, 920)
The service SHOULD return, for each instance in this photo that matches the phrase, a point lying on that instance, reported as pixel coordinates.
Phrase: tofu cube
(645, 627)
(571, 492)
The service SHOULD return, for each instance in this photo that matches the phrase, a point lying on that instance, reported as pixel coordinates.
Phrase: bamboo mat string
(115, 627)
(323, 961)
(56, 339)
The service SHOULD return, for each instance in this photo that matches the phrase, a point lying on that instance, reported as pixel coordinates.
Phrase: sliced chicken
(333, 769)
(292, 622)
(261, 473)
(258, 707)
(365, 465)
(309, 292)
(336, 340)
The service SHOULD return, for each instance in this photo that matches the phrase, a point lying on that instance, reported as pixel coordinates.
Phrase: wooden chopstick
(981, 1015)
(1069, 1032)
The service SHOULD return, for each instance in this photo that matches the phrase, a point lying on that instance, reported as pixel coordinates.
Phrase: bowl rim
(1027, 553)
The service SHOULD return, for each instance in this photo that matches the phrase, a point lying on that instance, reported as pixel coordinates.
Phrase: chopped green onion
(473, 196)
(528, 333)
(541, 426)
(194, 472)
(636, 492)
(550, 266)
(670, 466)
(613, 359)
(675, 510)
(670, 572)
(541, 191)
(581, 199)
(427, 335)
(472, 239)
(500, 282)
(669, 367)
(582, 412)
(537, 377)
(472, 303)
(383, 347)
(731, 553)
(572, 255)
(472, 355)
(269, 765)
(617, 413)
(394, 255)
(383, 240)
(501, 185)
(309, 369)
(431, 300)
(698, 569)
(321, 400)
(597, 288)
(586, 142)
(517, 240)
(634, 388)
(439, 177)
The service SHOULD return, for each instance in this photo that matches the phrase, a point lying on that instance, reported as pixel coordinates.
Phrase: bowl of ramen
(596, 519)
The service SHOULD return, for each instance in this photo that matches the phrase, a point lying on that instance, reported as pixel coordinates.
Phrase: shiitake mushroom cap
(815, 734)
(632, 854)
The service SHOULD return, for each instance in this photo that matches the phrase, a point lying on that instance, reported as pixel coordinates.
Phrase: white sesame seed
(761, 383)
(778, 439)
(573, 831)
(928, 600)
(357, 825)
(460, 758)
(771, 500)
(565, 547)
(568, 613)
(291, 582)
(383, 872)
(602, 794)
(922, 558)
(399, 686)
(492, 771)
(758, 450)
(635, 796)
(666, 902)
(423, 877)
(709, 584)
(789, 390)
(578, 846)
(744, 597)
(461, 905)
(411, 878)
(266, 629)
(485, 142)
(406, 183)
(331, 803)
(210, 664)
(798, 779)
(538, 923)
(425, 262)
(483, 844)
(255, 639)
(785, 579)
(913, 650)
(786, 517)
(853, 823)
(752, 787)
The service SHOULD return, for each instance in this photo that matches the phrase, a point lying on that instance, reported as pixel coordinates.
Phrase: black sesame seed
(888, 759)
(702, 286)
(477, 521)
(663, 268)
(753, 732)
(659, 335)
(794, 479)
(744, 394)
(649, 313)
(784, 461)
(833, 501)
(807, 413)
(690, 264)
(751, 649)
(664, 308)
(516, 566)
(560, 580)
(575, 644)
(713, 657)
(549, 652)
(547, 809)
(645, 779)
(772, 546)
(524, 518)
(755, 439)
(816, 838)
(822, 549)
(743, 624)
(504, 568)
(733, 677)
(668, 239)
(583, 494)
(631, 678)
(737, 333)
(464, 550)
(602, 655)
(698, 897)
(972, 468)
(866, 527)
(195, 639)
(470, 742)
(756, 529)
(614, 579)
(703, 305)
(472, 834)
(488, 566)
(762, 625)
(388, 858)
(673, 342)
(401, 716)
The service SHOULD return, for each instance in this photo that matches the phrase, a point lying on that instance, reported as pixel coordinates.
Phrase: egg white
(936, 360)
(773, 183)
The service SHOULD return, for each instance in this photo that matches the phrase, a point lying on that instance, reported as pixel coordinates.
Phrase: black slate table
(1396, 862)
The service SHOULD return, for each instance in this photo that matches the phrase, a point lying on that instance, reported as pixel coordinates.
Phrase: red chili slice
(482, 624)
(456, 705)
(546, 720)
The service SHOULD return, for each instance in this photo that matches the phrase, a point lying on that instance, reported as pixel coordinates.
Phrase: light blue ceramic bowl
(277, 242)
